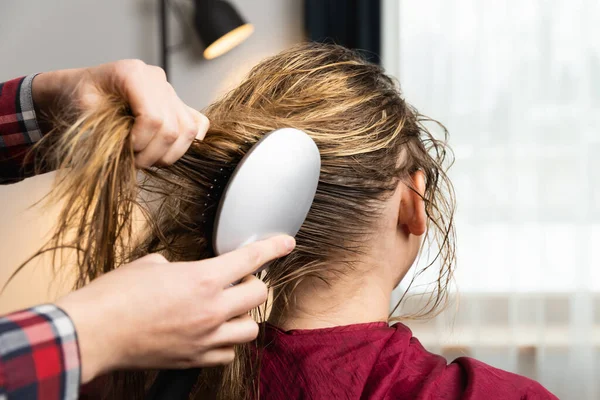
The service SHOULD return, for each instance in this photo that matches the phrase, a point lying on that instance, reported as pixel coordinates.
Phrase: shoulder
(429, 376)
(484, 381)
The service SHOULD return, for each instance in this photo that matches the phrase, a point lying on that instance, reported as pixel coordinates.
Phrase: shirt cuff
(39, 355)
(32, 128)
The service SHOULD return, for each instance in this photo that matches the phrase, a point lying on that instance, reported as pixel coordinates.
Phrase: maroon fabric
(374, 361)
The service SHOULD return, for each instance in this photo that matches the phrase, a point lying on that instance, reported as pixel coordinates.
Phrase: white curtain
(517, 83)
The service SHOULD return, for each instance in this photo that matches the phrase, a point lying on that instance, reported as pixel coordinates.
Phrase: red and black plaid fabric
(39, 357)
(19, 129)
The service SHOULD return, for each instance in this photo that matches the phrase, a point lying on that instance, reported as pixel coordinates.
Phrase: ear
(412, 216)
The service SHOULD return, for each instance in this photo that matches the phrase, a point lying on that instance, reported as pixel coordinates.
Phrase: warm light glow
(228, 41)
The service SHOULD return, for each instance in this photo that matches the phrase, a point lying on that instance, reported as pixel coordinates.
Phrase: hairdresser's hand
(164, 126)
(150, 315)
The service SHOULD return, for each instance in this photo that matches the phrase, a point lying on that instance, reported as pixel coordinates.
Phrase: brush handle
(173, 384)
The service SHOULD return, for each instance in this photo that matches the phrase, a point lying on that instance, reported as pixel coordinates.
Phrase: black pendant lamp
(220, 27)
(217, 23)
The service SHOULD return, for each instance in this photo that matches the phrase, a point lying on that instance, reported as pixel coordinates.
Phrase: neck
(315, 304)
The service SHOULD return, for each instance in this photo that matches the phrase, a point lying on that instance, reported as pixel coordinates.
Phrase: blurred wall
(41, 35)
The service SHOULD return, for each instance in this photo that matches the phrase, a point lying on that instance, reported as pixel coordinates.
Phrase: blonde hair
(369, 139)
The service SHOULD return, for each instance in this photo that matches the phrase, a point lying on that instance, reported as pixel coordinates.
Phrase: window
(517, 84)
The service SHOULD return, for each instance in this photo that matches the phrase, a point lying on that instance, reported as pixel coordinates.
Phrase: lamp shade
(220, 27)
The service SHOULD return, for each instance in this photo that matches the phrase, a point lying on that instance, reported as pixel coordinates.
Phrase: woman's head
(375, 154)
(382, 177)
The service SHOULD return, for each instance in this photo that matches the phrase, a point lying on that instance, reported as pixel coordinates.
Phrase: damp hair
(369, 138)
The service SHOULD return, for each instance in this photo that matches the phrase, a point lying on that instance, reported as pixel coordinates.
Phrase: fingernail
(289, 243)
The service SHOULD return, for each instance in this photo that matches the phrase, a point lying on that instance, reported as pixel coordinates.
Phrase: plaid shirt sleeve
(19, 129)
(39, 357)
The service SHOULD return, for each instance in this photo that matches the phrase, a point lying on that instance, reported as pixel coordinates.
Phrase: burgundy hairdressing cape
(374, 361)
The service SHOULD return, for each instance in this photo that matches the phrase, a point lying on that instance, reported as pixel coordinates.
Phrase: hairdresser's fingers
(145, 88)
(237, 264)
(240, 299)
(159, 145)
(219, 356)
(145, 128)
(191, 126)
(235, 331)
(136, 80)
